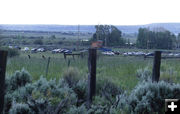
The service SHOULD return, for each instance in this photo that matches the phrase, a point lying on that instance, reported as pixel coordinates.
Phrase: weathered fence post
(69, 62)
(73, 57)
(47, 67)
(65, 56)
(3, 60)
(156, 66)
(92, 74)
(82, 55)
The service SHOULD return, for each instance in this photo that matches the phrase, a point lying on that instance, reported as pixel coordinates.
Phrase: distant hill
(173, 27)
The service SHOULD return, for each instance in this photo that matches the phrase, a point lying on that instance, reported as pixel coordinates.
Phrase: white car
(25, 49)
(56, 50)
(40, 50)
(108, 53)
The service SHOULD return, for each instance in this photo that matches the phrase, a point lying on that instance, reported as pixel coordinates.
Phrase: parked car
(25, 49)
(108, 53)
(149, 54)
(56, 51)
(17, 47)
(67, 51)
(34, 50)
(41, 50)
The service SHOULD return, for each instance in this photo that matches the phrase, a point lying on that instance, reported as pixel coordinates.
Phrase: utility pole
(78, 38)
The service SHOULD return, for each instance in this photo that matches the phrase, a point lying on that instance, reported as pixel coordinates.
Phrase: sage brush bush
(19, 79)
(144, 74)
(148, 97)
(20, 108)
(71, 76)
(69, 95)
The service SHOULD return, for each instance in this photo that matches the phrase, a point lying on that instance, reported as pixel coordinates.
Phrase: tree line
(109, 35)
(148, 39)
(158, 38)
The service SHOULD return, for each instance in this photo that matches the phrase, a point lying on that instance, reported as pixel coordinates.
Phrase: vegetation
(110, 35)
(11, 52)
(38, 41)
(155, 39)
(123, 83)
(0, 37)
(59, 96)
(178, 41)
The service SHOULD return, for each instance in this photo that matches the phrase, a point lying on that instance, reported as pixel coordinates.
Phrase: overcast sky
(116, 12)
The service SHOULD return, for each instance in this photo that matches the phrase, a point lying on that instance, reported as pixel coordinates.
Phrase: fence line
(92, 57)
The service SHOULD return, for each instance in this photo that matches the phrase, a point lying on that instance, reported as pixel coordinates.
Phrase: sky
(89, 12)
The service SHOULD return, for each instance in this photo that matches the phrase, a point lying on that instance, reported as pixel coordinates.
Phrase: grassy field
(119, 69)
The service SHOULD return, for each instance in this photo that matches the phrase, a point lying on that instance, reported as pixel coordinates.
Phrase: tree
(110, 35)
(178, 41)
(152, 39)
(38, 41)
(142, 38)
(53, 37)
(0, 37)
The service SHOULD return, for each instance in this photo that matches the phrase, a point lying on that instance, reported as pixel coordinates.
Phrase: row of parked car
(61, 51)
(35, 50)
(104, 52)
(173, 54)
(138, 53)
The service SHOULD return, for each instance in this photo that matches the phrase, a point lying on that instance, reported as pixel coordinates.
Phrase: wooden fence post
(73, 57)
(3, 60)
(156, 66)
(82, 55)
(69, 62)
(92, 74)
(47, 68)
(65, 56)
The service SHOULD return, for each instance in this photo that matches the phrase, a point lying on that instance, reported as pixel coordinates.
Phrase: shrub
(54, 94)
(7, 102)
(20, 108)
(77, 110)
(71, 76)
(144, 74)
(99, 109)
(60, 42)
(80, 90)
(20, 94)
(42, 85)
(148, 97)
(38, 42)
(39, 106)
(108, 89)
(19, 79)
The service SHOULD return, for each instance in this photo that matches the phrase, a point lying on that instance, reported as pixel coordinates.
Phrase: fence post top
(92, 49)
(158, 51)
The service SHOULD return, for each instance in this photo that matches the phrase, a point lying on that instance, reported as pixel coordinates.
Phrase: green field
(119, 69)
